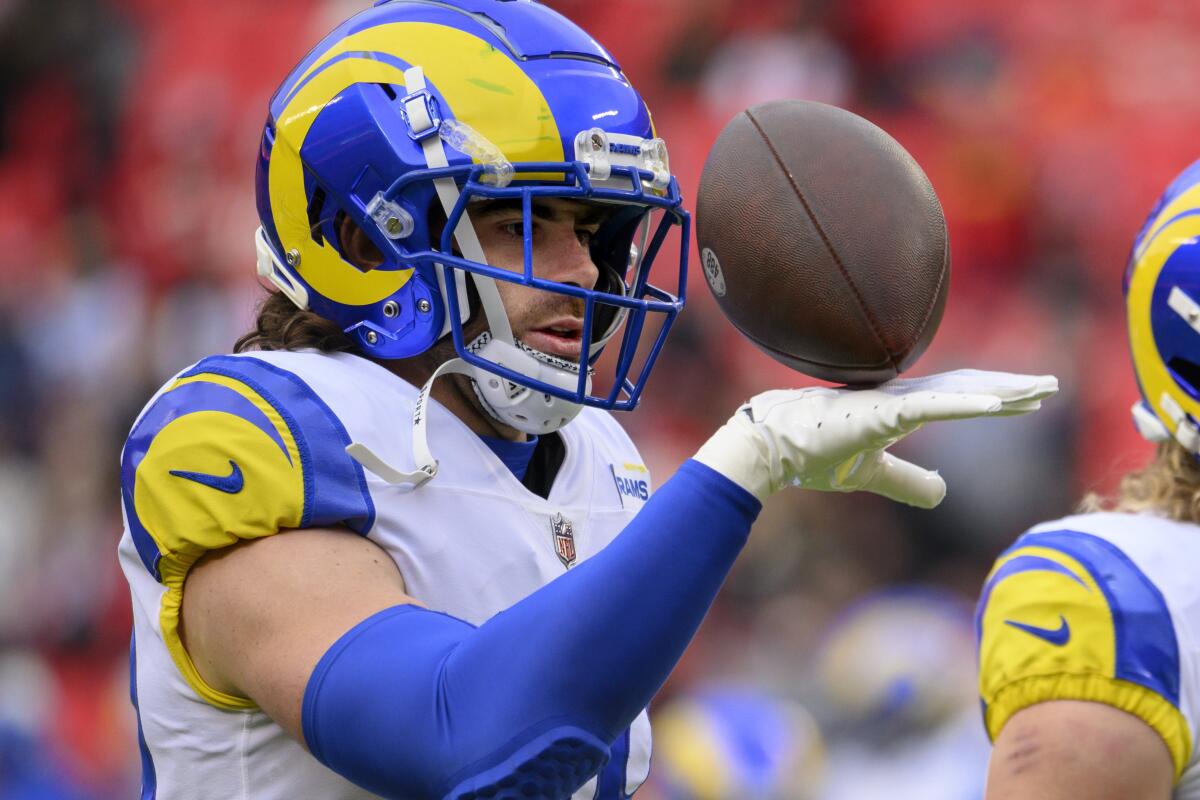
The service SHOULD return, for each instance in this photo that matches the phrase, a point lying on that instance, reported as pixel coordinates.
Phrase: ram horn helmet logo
(564, 539)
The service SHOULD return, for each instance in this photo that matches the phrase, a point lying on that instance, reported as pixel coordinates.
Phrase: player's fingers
(913, 410)
(1008, 386)
(1046, 385)
(1030, 399)
(1018, 408)
(905, 482)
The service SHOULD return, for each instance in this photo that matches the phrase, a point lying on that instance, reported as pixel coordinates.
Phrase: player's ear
(358, 247)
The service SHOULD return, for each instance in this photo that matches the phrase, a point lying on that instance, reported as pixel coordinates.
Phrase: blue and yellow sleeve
(234, 449)
(1066, 615)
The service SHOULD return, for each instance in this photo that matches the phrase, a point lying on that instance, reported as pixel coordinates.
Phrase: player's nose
(569, 259)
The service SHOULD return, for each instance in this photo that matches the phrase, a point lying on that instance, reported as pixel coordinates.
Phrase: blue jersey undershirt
(515, 455)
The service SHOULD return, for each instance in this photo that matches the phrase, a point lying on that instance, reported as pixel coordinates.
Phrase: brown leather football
(823, 241)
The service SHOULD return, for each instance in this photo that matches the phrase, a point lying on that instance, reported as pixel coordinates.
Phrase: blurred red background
(128, 131)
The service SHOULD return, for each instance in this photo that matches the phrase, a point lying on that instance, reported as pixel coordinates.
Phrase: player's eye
(585, 235)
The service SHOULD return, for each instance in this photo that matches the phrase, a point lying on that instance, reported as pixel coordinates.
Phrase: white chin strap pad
(520, 407)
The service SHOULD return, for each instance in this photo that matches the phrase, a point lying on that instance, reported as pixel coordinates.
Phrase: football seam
(872, 323)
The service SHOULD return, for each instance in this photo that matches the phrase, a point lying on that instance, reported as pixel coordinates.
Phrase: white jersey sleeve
(1095, 608)
(232, 449)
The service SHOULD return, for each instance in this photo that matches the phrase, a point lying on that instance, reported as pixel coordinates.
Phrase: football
(823, 241)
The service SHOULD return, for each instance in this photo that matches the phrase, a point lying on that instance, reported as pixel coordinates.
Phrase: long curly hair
(1169, 485)
(280, 325)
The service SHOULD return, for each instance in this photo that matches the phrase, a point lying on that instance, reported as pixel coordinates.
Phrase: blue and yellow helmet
(408, 112)
(896, 663)
(729, 742)
(1162, 299)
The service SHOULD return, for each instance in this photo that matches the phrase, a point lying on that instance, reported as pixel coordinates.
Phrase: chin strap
(427, 465)
(434, 150)
(508, 403)
(518, 406)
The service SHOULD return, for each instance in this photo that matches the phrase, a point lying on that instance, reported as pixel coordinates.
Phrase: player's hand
(836, 439)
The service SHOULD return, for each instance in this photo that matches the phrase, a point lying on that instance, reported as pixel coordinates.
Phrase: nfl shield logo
(564, 539)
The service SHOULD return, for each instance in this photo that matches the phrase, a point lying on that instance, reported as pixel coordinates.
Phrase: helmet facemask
(524, 388)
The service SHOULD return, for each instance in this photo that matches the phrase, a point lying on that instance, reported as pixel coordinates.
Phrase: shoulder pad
(235, 449)
(1066, 615)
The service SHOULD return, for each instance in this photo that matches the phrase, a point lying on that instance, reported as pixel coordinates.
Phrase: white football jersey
(240, 447)
(1102, 608)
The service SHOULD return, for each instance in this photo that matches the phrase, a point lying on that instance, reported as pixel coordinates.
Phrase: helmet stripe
(1186, 201)
(507, 106)
(386, 58)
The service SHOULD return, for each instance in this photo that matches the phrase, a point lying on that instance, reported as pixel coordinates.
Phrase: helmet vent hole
(316, 204)
(1187, 375)
(388, 90)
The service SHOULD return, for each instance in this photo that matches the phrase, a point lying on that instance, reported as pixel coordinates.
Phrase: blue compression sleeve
(418, 705)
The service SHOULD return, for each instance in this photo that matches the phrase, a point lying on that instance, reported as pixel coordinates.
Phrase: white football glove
(835, 439)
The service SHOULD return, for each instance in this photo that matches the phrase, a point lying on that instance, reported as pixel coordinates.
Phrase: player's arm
(258, 616)
(412, 703)
(314, 627)
(1065, 750)
(539, 691)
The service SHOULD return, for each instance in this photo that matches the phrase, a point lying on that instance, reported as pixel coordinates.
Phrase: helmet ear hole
(1187, 374)
(356, 246)
(316, 204)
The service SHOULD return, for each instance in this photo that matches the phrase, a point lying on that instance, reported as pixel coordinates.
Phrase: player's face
(562, 232)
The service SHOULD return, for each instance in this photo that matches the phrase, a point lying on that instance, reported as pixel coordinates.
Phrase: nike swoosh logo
(230, 484)
(1056, 636)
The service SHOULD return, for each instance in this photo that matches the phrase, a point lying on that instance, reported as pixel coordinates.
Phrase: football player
(1089, 658)
(396, 546)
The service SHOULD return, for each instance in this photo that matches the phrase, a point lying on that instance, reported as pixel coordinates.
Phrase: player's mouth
(562, 337)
